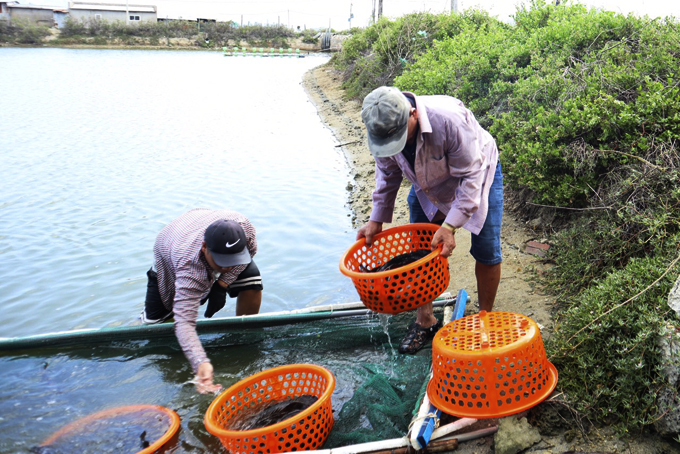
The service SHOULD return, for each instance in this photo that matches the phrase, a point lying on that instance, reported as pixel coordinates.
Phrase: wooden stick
(388, 446)
(435, 446)
(347, 143)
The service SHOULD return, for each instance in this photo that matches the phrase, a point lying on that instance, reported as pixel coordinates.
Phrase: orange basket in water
(401, 289)
(303, 432)
(88, 424)
(489, 365)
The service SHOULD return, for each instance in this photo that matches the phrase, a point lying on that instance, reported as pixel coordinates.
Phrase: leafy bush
(466, 65)
(564, 120)
(388, 47)
(559, 90)
(309, 37)
(73, 27)
(22, 32)
(219, 34)
(8, 32)
(604, 345)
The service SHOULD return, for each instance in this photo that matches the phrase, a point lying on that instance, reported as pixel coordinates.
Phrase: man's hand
(370, 229)
(204, 379)
(446, 238)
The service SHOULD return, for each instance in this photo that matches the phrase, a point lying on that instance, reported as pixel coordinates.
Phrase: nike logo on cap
(230, 245)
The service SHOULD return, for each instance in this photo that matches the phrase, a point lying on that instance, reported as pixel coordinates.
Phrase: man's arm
(185, 308)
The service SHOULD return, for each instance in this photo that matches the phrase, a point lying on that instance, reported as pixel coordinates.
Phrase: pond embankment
(545, 430)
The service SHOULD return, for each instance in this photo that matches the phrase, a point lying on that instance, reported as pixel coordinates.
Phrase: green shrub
(557, 89)
(73, 27)
(391, 46)
(22, 32)
(70, 41)
(30, 33)
(219, 34)
(465, 66)
(563, 119)
(8, 32)
(604, 345)
(309, 37)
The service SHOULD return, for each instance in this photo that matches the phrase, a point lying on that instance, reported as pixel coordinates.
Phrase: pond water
(99, 149)
(44, 390)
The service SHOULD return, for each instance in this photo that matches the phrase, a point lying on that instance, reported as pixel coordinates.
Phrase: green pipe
(203, 326)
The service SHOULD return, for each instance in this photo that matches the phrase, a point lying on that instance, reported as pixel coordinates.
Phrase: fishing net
(380, 408)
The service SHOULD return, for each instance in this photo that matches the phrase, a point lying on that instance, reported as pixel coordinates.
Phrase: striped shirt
(184, 275)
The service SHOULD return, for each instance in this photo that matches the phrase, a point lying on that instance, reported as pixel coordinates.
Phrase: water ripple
(102, 148)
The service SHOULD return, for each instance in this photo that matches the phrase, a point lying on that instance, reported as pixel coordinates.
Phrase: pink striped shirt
(184, 276)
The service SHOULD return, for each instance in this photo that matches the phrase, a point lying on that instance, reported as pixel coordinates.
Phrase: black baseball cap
(226, 242)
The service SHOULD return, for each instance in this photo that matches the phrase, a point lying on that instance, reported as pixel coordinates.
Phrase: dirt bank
(516, 293)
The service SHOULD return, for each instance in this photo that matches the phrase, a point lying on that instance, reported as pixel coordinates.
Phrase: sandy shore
(516, 293)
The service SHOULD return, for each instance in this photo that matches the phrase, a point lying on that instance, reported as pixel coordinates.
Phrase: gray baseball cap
(385, 112)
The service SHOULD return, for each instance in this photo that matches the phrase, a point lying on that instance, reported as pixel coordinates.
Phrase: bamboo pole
(388, 446)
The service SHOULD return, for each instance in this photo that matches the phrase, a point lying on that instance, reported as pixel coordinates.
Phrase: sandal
(417, 336)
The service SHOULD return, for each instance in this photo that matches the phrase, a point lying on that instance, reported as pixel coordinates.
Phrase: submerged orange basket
(489, 365)
(89, 424)
(401, 289)
(303, 432)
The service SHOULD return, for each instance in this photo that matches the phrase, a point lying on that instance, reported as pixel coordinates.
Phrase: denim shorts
(485, 248)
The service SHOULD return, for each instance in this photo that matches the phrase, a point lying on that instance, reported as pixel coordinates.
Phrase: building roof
(112, 7)
(16, 5)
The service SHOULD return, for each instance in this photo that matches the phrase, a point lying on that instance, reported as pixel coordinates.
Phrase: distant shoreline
(132, 47)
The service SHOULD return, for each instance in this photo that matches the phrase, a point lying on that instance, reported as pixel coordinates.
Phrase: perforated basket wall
(401, 289)
(489, 365)
(305, 431)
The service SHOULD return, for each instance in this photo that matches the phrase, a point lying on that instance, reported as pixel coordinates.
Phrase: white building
(112, 12)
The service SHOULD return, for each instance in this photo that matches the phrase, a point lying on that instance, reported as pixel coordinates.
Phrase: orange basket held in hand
(489, 365)
(303, 432)
(400, 289)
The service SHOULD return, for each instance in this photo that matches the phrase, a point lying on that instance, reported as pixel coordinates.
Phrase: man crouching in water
(201, 256)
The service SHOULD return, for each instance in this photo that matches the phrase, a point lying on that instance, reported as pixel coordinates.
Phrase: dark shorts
(249, 279)
(156, 312)
(485, 248)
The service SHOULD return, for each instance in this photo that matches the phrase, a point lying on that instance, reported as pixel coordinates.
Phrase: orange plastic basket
(489, 365)
(303, 432)
(401, 289)
(89, 424)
